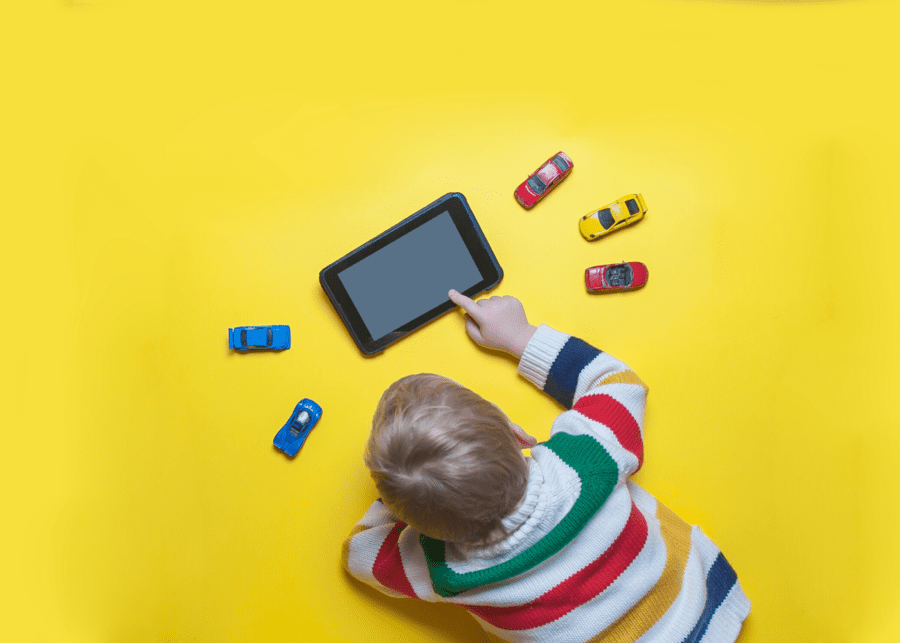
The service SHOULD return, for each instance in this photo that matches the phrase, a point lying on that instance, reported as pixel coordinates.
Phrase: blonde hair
(445, 460)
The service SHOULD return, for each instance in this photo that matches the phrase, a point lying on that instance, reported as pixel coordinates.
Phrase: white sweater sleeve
(606, 398)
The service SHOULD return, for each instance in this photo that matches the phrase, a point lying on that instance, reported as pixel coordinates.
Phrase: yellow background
(170, 169)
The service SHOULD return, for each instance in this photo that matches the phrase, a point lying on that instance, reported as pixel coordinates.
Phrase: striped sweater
(590, 556)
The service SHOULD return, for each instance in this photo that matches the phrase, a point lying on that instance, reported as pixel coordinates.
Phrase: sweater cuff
(540, 353)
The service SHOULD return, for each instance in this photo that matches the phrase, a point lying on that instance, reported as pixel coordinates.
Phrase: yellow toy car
(625, 211)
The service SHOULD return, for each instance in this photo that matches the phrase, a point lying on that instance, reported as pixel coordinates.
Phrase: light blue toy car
(294, 433)
(259, 338)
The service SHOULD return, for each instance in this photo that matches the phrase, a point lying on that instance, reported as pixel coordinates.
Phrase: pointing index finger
(465, 303)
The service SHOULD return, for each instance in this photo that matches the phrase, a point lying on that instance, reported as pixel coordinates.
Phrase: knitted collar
(518, 524)
(598, 474)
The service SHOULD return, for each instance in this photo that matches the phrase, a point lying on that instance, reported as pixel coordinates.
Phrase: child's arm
(554, 361)
(606, 398)
(384, 553)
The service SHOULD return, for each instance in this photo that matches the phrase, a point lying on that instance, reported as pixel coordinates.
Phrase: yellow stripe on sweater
(624, 377)
(677, 536)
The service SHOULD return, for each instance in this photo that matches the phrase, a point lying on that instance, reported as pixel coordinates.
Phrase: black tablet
(398, 281)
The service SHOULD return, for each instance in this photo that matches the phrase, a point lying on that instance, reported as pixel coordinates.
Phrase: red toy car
(542, 180)
(617, 277)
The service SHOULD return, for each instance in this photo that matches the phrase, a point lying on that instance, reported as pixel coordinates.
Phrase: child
(558, 547)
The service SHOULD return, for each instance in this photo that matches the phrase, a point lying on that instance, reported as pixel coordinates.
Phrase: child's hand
(496, 322)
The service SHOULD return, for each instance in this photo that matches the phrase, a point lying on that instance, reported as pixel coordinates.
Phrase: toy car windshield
(536, 184)
(560, 162)
(300, 423)
(606, 218)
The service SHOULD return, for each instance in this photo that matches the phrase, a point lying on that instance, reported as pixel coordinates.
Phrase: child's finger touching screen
(497, 322)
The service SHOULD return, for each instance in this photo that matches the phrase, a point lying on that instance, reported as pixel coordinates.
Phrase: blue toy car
(259, 338)
(294, 433)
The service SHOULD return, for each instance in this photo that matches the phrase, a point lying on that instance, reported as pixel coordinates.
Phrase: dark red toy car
(543, 179)
(616, 277)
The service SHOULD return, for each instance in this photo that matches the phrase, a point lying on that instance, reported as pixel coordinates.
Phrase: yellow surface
(170, 169)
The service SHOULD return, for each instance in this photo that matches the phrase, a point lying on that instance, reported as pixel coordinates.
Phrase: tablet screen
(410, 276)
(397, 282)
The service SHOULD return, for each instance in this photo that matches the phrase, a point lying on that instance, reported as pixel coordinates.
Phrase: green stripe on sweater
(598, 473)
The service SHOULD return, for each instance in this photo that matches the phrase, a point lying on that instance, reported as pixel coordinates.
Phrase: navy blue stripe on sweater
(563, 376)
(719, 581)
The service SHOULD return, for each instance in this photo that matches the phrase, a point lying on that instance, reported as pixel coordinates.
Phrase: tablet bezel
(470, 232)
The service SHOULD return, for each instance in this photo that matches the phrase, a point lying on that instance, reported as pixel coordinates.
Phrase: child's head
(445, 460)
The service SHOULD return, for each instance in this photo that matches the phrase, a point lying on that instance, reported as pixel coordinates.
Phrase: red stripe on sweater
(388, 567)
(610, 412)
(578, 588)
